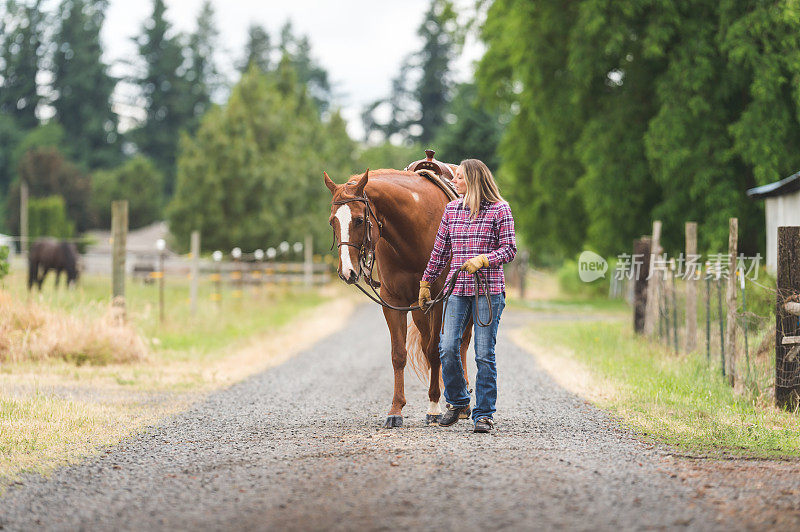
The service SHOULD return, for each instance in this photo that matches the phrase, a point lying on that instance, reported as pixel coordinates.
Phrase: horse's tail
(416, 354)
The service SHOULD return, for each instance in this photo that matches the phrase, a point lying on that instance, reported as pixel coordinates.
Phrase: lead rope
(480, 281)
(444, 295)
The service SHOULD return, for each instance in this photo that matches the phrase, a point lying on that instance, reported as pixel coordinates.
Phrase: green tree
(138, 181)
(689, 147)
(388, 155)
(48, 173)
(10, 136)
(311, 76)
(82, 84)
(164, 87)
(623, 112)
(421, 91)
(614, 73)
(257, 50)
(203, 75)
(469, 130)
(525, 74)
(251, 176)
(21, 49)
(762, 43)
(440, 35)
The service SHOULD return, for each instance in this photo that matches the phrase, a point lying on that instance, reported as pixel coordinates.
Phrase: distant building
(782, 208)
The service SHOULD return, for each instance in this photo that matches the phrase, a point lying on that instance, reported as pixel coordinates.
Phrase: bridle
(366, 259)
(366, 248)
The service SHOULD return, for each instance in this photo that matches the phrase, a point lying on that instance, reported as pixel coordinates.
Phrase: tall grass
(30, 331)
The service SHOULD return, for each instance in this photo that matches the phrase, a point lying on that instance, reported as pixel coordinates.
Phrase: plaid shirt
(491, 233)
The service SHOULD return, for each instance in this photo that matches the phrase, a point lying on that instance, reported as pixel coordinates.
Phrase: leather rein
(366, 259)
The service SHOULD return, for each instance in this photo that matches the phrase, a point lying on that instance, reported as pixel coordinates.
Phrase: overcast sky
(360, 43)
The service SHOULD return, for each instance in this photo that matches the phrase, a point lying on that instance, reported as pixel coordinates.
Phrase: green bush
(139, 182)
(570, 282)
(48, 217)
(3, 261)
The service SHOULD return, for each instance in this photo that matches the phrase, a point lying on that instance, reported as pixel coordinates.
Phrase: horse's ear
(362, 183)
(329, 183)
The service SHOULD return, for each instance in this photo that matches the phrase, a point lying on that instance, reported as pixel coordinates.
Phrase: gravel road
(299, 447)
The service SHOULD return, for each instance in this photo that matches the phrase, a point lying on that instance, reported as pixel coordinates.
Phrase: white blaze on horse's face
(345, 217)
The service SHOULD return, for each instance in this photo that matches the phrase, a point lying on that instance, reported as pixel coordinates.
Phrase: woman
(476, 233)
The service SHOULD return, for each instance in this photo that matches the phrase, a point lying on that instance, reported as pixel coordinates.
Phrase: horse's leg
(33, 273)
(465, 338)
(41, 277)
(428, 326)
(58, 276)
(397, 322)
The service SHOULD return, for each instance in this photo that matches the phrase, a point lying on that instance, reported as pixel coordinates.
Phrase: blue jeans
(459, 310)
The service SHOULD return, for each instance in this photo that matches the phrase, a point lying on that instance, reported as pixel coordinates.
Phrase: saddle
(439, 173)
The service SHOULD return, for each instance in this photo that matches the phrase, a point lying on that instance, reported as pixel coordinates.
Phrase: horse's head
(352, 220)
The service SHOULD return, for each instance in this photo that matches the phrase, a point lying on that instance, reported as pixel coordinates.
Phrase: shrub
(570, 282)
(48, 217)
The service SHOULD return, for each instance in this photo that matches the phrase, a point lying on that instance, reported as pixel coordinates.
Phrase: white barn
(782, 207)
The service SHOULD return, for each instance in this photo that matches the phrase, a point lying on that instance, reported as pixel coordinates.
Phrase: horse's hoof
(432, 420)
(393, 422)
(465, 414)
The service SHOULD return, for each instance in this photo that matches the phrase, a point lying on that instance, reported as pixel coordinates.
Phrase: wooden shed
(782, 207)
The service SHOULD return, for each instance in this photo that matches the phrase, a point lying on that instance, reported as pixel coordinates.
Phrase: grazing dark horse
(51, 254)
(394, 215)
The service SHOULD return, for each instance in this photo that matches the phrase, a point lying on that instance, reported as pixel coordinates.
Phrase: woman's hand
(475, 263)
(424, 294)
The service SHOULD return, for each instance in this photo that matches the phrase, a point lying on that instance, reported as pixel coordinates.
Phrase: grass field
(58, 408)
(679, 399)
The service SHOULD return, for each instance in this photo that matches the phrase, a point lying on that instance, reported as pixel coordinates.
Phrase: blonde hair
(480, 185)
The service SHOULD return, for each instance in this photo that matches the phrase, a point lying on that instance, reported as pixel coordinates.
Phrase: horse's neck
(397, 217)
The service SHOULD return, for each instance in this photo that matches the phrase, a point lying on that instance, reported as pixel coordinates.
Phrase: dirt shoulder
(55, 413)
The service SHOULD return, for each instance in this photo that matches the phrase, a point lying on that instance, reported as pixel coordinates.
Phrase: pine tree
(83, 86)
(439, 32)
(297, 49)
(21, 49)
(469, 130)
(164, 87)
(257, 50)
(420, 93)
(203, 75)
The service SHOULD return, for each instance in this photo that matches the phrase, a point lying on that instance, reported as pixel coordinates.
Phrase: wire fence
(695, 308)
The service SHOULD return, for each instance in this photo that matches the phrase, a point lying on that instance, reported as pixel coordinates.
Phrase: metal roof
(778, 188)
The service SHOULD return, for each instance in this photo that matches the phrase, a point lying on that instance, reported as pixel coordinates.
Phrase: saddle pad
(444, 184)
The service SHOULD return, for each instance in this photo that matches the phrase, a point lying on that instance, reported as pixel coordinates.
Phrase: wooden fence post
(522, 270)
(24, 244)
(730, 298)
(691, 289)
(308, 263)
(119, 236)
(651, 315)
(787, 365)
(195, 270)
(641, 248)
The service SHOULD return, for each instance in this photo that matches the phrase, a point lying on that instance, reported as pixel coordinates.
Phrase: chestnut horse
(393, 216)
